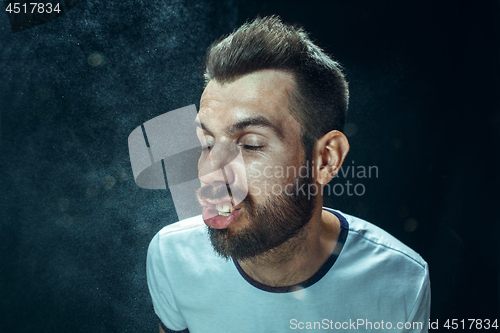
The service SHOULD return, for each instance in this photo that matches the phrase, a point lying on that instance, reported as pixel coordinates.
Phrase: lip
(214, 220)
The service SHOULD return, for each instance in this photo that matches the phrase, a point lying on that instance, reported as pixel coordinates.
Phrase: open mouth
(224, 209)
(219, 213)
(222, 206)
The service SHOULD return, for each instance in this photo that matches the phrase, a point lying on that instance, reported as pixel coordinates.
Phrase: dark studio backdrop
(74, 227)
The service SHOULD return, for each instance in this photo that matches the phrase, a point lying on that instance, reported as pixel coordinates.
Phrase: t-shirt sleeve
(421, 309)
(160, 290)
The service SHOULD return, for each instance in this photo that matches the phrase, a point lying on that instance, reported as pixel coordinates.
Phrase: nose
(214, 166)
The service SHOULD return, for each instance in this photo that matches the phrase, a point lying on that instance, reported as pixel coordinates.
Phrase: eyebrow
(257, 121)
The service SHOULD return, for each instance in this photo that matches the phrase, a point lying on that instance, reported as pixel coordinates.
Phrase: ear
(328, 155)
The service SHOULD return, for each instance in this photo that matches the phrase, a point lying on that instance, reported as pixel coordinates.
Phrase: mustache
(222, 191)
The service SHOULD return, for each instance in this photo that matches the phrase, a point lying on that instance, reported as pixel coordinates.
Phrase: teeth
(224, 209)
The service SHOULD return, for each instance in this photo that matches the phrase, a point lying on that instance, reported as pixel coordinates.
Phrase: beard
(271, 224)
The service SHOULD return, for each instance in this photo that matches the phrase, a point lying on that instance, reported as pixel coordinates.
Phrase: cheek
(273, 171)
(268, 179)
(253, 173)
(254, 170)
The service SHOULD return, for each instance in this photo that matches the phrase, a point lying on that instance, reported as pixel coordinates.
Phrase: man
(273, 259)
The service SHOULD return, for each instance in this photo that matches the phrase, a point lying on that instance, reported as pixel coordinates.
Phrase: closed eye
(249, 147)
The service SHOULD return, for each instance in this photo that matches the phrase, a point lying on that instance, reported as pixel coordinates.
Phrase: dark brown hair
(319, 102)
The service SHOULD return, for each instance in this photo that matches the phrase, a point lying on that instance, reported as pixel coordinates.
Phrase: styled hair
(320, 99)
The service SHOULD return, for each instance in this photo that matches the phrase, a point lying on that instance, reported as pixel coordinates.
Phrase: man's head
(278, 100)
(320, 96)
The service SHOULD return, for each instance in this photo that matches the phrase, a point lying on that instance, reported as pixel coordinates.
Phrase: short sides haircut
(320, 98)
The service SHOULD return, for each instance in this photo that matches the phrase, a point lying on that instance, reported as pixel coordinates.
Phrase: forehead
(264, 93)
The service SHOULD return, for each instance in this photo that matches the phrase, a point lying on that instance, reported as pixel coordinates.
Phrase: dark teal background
(74, 227)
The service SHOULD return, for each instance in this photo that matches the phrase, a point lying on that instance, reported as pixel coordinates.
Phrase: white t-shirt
(371, 282)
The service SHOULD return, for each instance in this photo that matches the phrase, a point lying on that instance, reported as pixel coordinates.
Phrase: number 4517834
(32, 7)
(470, 324)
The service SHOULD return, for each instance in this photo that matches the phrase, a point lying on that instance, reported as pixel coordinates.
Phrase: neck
(300, 257)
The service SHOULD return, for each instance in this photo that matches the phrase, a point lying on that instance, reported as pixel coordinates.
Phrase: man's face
(250, 203)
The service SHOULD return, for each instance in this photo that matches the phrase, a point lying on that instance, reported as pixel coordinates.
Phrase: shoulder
(186, 226)
(178, 231)
(186, 238)
(364, 234)
(172, 256)
(374, 260)
(372, 252)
